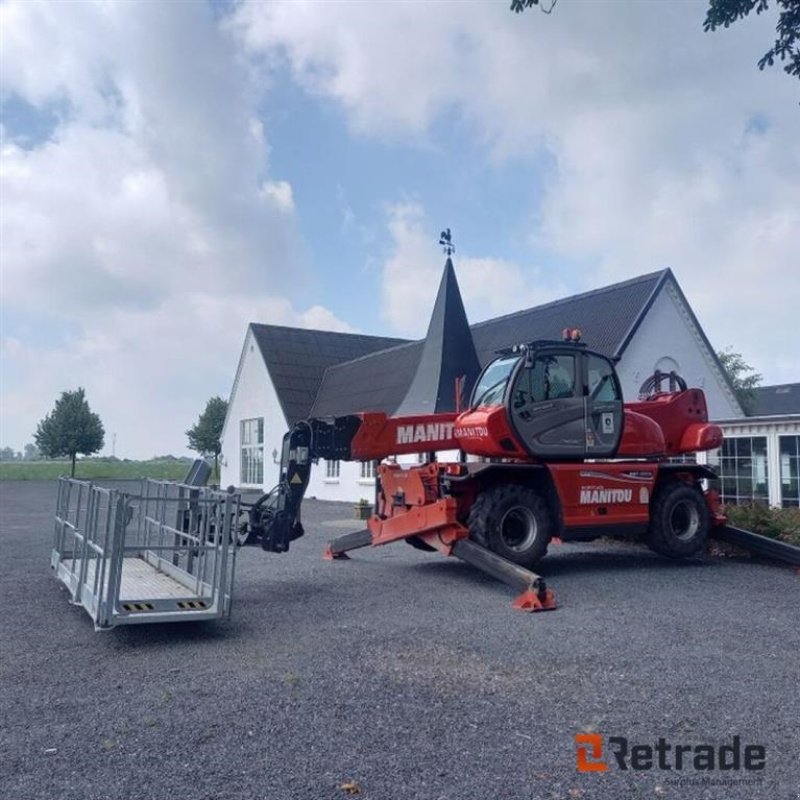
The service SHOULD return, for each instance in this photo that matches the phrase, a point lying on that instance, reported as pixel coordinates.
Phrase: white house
(288, 374)
(760, 456)
(278, 374)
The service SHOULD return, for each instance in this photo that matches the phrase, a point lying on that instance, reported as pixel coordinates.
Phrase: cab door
(604, 412)
(547, 405)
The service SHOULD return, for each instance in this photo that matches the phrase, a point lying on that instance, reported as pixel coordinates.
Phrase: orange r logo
(583, 743)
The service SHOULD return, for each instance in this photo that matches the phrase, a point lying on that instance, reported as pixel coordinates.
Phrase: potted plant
(363, 509)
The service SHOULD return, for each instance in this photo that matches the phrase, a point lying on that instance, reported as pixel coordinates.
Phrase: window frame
(251, 451)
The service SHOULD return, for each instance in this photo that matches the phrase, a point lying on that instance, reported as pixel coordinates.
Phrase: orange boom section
(379, 436)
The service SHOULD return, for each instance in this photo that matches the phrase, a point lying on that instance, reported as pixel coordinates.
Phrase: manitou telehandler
(546, 451)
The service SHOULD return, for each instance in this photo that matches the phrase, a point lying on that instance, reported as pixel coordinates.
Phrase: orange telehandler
(547, 450)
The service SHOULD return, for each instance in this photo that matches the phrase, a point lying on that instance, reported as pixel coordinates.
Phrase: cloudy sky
(173, 171)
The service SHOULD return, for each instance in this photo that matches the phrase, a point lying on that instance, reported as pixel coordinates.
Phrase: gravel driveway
(405, 673)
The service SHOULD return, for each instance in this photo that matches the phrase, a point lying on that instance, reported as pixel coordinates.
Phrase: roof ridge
(582, 296)
(561, 301)
(320, 330)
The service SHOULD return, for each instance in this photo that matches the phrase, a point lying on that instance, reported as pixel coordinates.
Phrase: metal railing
(163, 554)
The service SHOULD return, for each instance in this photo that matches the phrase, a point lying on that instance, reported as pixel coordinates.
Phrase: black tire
(512, 521)
(679, 520)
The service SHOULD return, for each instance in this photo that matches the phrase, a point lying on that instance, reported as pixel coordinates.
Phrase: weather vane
(446, 241)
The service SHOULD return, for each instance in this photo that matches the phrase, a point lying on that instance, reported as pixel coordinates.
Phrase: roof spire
(448, 352)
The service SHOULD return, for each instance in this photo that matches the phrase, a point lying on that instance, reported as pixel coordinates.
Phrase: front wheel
(679, 521)
(512, 521)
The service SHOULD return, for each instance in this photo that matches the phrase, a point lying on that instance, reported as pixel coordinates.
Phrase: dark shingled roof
(297, 359)
(607, 317)
(777, 400)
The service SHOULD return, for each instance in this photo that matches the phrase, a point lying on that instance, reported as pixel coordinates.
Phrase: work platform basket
(166, 553)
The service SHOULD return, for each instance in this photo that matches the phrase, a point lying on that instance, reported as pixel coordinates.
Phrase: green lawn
(93, 468)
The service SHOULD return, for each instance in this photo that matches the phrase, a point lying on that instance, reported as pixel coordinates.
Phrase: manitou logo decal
(429, 432)
(472, 431)
(592, 495)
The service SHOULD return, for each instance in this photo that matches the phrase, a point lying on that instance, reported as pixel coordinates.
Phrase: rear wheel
(512, 521)
(679, 520)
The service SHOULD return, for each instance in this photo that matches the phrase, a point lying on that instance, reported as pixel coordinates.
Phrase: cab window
(491, 387)
(552, 377)
(602, 383)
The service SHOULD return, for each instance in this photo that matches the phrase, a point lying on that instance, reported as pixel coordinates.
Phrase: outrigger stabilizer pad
(541, 599)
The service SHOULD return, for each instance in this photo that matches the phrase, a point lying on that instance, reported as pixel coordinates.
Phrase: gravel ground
(404, 672)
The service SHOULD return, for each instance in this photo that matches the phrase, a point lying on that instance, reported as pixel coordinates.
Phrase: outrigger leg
(535, 596)
(337, 548)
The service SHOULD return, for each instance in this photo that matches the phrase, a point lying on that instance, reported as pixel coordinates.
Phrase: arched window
(667, 364)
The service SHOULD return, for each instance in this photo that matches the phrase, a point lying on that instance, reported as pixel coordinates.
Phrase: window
(367, 470)
(743, 470)
(251, 439)
(667, 365)
(603, 384)
(790, 471)
(552, 378)
(332, 470)
(492, 384)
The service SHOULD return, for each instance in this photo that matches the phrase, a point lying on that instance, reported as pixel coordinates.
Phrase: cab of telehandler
(563, 401)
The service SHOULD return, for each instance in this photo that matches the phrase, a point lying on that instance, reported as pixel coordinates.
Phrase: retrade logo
(590, 754)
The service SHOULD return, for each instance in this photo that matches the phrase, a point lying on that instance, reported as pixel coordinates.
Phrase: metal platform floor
(141, 581)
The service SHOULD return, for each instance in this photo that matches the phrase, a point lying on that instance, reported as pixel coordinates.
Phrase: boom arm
(275, 517)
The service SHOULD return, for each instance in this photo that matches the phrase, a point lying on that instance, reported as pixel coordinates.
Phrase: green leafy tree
(744, 379)
(70, 428)
(204, 436)
(723, 13)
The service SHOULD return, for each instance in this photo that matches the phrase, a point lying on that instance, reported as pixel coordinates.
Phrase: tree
(723, 13)
(31, 452)
(744, 385)
(204, 436)
(520, 5)
(7, 454)
(70, 428)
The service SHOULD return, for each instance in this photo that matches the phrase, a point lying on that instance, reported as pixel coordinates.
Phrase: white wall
(667, 331)
(349, 486)
(253, 395)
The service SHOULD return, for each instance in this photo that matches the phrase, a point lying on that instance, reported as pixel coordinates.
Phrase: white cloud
(279, 193)
(365, 57)
(670, 148)
(147, 225)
